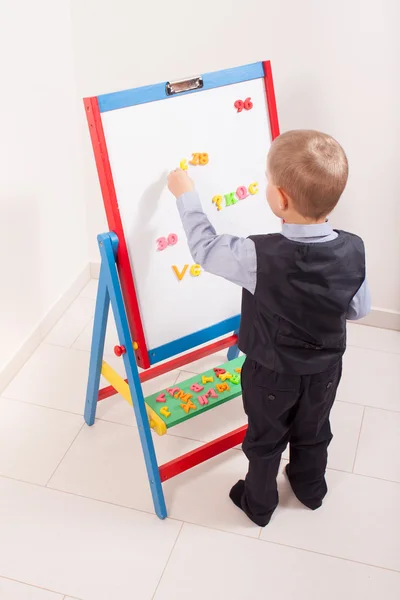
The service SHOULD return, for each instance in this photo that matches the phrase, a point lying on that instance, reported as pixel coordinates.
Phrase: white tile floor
(76, 517)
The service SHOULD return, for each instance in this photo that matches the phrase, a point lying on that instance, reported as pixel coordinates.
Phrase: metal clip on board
(184, 85)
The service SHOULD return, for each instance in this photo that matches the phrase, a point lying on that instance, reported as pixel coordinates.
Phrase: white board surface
(144, 143)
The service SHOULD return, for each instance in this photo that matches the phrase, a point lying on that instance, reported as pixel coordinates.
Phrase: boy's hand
(179, 182)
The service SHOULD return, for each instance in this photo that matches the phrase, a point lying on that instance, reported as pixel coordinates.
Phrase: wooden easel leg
(97, 349)
(108, 243)
(233, 351)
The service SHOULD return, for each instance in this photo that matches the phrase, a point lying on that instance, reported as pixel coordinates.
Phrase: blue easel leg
(108, 243)
(97, 349)
(233, 351)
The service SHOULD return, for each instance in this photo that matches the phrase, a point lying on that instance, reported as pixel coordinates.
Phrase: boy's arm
(361, 303)
(228, 256)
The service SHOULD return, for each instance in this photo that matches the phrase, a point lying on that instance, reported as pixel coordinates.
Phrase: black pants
(286, 409)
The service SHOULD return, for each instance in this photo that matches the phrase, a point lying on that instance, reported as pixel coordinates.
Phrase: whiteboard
(144, 143)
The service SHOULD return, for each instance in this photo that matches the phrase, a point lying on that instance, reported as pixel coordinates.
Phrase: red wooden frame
(113, 215)
(271, 100)
(115, 224)
(199, 455)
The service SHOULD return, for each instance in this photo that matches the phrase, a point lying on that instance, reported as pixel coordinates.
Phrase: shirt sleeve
(228, 256)
(361, 303)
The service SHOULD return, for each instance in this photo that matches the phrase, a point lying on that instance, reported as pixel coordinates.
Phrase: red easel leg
(205, 452)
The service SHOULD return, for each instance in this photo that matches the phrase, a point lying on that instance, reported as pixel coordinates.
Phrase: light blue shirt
(235, 258)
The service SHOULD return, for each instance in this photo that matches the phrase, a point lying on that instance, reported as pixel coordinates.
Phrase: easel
(116, 285)
(109, 290)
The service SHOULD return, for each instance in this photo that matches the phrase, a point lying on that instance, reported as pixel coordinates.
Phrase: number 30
(163, 242)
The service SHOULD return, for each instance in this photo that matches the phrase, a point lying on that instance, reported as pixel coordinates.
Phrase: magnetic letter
(219, 372)
(164, 411)
(172, 391)
(188, 406)
(253, 188)
(183, 165)
(217, 201)
(230, 199)
(195, 270)
(206, 379)
(225, 376)
(196, 387)
(235, 379)
(242, 192)
(180, 275)
(161, 398)
(182, 396)
(211, 394)
(202, 400)
(222, 387)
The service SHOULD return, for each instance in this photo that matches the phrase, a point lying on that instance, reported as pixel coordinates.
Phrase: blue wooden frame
(109, 290)
(151, 93)
(194, 339)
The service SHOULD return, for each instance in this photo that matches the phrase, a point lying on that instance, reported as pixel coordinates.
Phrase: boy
(299, 287)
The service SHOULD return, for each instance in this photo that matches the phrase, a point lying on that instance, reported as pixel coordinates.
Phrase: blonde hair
(312, 168)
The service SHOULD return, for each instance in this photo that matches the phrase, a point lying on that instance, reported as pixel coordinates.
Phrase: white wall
(336, 66)
(43, 242)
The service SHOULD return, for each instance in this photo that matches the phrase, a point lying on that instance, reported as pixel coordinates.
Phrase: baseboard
(27, 348)
(94, 270)
(382, 318)
(46, 324)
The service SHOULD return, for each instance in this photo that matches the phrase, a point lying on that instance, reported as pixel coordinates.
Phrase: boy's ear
(283, 199)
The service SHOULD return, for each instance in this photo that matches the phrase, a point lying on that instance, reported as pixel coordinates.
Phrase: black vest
(295, 322)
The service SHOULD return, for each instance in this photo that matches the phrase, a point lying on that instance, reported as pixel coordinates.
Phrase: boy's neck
(299, 220)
